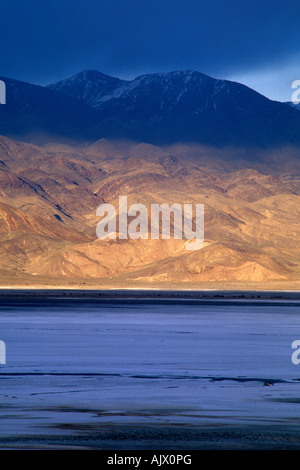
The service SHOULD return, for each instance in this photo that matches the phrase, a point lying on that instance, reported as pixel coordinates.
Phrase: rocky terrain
(49, 195)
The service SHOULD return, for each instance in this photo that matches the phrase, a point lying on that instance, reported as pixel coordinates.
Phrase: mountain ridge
(159, 108)
(49, 196)
(188, 104)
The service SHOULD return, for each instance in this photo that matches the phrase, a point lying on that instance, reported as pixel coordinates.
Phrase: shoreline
(253, 437)
(148, 294)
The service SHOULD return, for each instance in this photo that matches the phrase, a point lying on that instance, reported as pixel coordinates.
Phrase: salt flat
(89, 369)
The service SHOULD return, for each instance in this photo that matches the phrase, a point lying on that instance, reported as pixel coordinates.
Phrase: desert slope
(49, 196)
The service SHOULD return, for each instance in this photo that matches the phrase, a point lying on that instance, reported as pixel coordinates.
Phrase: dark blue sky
(256, 42)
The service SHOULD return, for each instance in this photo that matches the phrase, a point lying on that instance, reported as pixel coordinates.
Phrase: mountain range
(176, 137)
(49, 195)
(160, 109)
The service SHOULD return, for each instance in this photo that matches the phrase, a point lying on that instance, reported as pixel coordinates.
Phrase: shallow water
(78, 366)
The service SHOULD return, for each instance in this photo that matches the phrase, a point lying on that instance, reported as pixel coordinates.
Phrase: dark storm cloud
(46, 40)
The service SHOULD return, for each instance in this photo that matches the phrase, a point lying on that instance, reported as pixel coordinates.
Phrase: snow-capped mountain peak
(158, 108)
(95, 88)
(88, 86)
